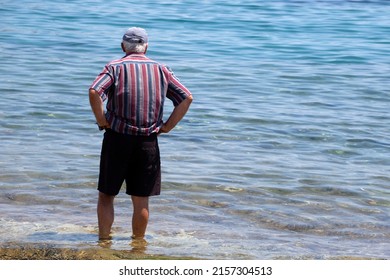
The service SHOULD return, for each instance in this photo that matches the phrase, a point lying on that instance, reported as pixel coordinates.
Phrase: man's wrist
(165, 129)
(104, 126)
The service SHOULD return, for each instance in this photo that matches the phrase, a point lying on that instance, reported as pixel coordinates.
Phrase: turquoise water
(285, 152)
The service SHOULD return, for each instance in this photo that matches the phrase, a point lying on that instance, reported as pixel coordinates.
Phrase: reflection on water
(137, 247)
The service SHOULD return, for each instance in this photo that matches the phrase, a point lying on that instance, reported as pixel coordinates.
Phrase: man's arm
(97, 107)
(177, 114)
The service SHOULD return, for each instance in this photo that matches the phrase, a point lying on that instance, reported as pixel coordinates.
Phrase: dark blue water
(285, 152)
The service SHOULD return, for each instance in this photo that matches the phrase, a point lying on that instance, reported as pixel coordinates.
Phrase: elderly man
(135, 88)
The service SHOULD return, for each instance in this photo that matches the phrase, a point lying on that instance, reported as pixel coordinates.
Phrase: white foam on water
(46, 232)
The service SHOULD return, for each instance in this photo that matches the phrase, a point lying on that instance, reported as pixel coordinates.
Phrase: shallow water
(285, 152)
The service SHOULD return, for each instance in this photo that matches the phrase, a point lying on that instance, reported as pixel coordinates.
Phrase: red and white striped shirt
(135, 88)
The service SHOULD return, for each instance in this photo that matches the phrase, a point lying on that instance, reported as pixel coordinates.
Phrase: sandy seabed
(48, 252)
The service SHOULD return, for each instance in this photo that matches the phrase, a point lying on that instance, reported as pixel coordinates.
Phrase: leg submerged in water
(140, 216)
(105, 212)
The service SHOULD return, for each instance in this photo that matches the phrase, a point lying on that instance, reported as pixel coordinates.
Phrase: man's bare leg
(140, 216)
(105, 212)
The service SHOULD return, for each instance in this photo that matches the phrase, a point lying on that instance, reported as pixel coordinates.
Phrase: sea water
(285, 152)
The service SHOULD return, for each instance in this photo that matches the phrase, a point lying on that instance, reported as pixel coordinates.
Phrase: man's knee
(140, 202)
(105, 198)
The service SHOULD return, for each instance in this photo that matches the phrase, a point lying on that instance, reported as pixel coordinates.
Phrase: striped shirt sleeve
(177, 92)
(103, 82)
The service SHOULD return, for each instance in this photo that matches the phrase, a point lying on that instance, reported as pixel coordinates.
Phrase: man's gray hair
(134, 47)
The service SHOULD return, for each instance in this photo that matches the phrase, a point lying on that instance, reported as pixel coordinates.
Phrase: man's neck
(134, 53)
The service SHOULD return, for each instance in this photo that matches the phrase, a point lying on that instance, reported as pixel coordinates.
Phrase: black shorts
(134, 159)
